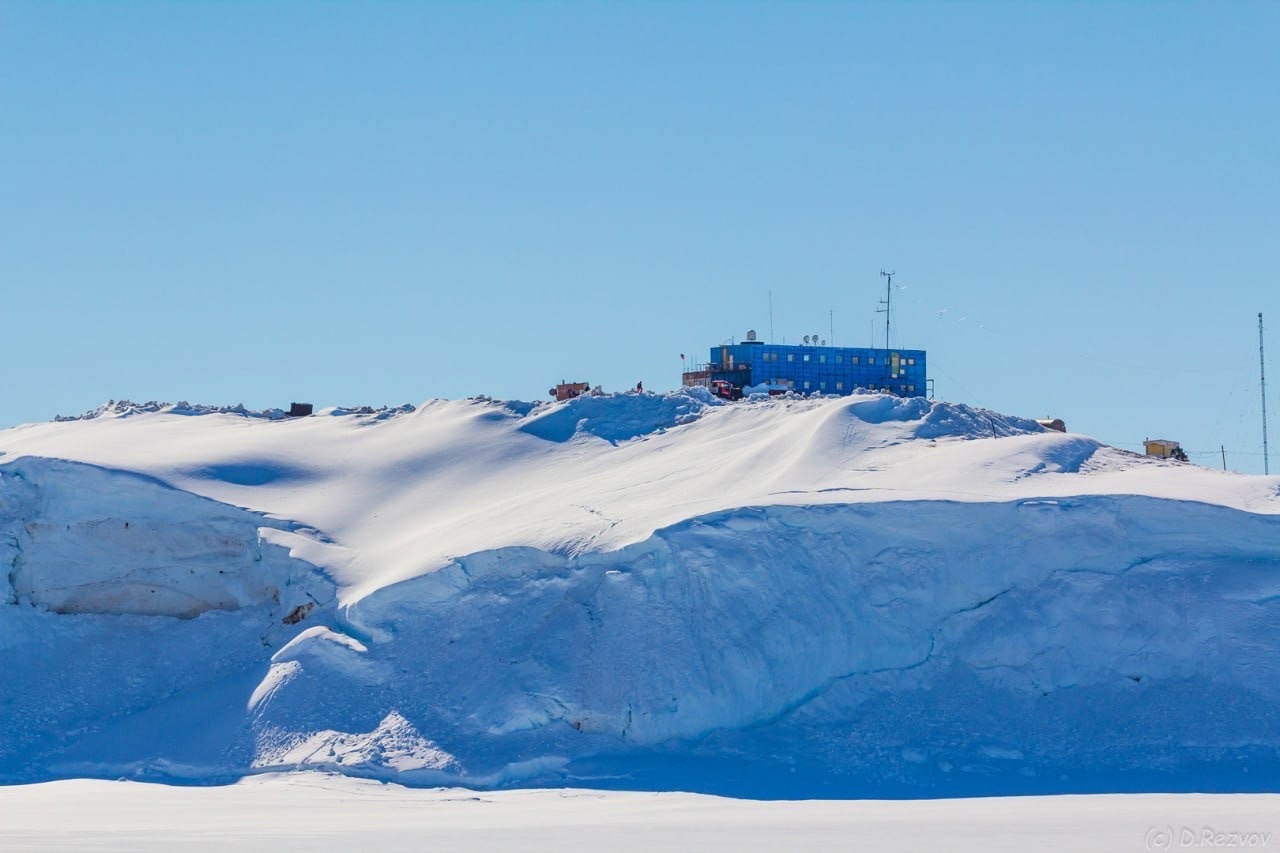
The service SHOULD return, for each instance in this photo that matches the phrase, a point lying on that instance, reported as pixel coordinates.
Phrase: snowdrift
(775, 597)
(100, 541)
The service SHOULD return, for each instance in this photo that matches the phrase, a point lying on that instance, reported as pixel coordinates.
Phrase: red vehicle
(725, 389)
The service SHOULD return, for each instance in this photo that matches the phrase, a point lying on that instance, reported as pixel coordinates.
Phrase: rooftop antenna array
(888, 296)
(1262, 370)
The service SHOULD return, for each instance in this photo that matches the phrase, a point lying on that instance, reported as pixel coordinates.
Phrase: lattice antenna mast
(1262, 370)
(888, 297)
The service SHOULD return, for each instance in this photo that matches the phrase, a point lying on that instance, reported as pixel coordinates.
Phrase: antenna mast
(1262, 370)
(888, 296)
(770, 316)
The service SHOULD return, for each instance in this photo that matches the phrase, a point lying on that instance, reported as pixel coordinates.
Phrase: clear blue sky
(369, 203)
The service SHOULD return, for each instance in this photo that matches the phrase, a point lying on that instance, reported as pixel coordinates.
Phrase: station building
(753, 365)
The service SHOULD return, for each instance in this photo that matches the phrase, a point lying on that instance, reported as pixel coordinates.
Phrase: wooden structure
(569, 390)
(1162, 448)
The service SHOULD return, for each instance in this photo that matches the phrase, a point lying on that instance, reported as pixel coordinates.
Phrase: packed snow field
(331, 814)
(777, 598)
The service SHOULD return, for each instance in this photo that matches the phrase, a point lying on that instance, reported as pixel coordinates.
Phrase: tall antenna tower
(888, 296)
(1262, 370)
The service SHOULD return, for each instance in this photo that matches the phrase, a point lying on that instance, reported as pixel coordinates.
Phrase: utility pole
(1262, 369)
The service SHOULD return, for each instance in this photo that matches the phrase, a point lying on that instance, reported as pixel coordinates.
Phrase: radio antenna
(1262, 370)
(888, 297)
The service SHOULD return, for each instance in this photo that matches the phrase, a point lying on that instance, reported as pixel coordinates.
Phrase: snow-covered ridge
(408, 494)
(128, 408)
(774, 596)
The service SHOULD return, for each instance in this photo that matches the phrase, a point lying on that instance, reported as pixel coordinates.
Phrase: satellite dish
(806, 339)
(751, 334)
(815, 340)
(824, 343)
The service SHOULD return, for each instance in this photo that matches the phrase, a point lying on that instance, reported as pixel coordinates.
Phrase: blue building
(811, 369)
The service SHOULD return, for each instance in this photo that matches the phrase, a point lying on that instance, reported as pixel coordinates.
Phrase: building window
(840, 358)
(806, 385)
(822, 386)
(911, 388)
(871, 359)
(791, 356)
(853, 359)
(911, 361)
(822, 359)
(806, 356)
(839, 386)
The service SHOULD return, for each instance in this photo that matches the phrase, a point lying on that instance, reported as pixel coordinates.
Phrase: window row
(839, 386)
(821, 358)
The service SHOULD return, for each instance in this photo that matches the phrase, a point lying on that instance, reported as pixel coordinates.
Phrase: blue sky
(369, 203)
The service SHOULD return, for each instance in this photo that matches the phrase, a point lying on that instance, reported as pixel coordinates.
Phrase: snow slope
(776, 597)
